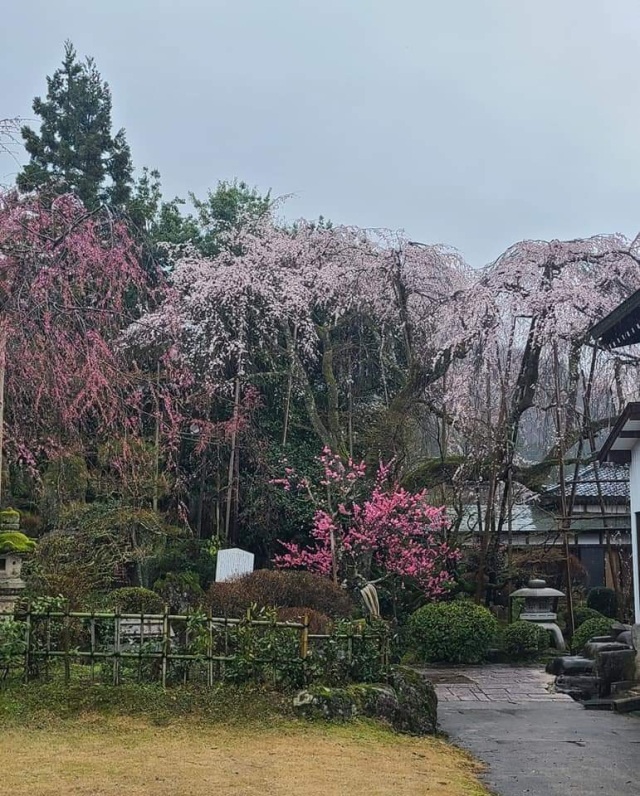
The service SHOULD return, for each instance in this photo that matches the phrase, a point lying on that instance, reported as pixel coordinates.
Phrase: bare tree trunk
(232, 459)
(203, 476)
(156, 446)
(287, 405)
(565, 522)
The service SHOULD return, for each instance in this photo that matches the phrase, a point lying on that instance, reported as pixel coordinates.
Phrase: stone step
(605, 703)
(570, 664)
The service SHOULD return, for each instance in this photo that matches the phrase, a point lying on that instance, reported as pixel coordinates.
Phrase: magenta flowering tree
(383, 531)
(68, 278)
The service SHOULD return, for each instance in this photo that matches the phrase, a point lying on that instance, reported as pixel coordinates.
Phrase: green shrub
(589, 629)
(603, 600)
(456, 632)
(181, 591)
(12, 644)
(583, 613)
(266, 588)
(523, 640)
(135, 600)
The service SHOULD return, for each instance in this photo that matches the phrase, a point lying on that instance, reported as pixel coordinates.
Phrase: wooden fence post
(209, 649)
(165, 644)
(65, 643)
(140, 645)
(47, 646)
(92, 641)
(27, 640)
(304, 637)
(116, 647)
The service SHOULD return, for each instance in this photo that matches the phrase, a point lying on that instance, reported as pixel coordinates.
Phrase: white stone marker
(232, 563)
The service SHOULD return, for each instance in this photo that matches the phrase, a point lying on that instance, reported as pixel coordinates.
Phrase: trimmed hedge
(589, 629)
(135, 599)
(583, 613)
(523, 640)
(455, 632)
(266, 588)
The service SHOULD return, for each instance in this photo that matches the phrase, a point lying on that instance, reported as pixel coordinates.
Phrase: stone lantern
(539, 604)
(13, 546)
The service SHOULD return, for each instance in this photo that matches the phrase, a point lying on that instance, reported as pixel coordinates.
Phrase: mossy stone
(9, 520)
(408, 702)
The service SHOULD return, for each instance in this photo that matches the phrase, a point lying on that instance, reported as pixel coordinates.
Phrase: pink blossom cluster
(396, 530)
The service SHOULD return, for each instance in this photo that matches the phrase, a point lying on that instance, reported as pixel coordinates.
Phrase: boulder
(570, 664)
(625, 638)
(613, 666)
(578, 686)
(592, 648)
(620, 627)
(417, 712)
(408, 702)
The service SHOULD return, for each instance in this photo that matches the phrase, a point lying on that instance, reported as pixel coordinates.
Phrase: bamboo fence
(151, 644)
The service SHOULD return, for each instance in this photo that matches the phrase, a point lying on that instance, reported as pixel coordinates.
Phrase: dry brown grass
(113, 756)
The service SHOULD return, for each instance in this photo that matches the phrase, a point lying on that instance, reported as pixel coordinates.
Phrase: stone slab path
(495, 684)
(534, 742)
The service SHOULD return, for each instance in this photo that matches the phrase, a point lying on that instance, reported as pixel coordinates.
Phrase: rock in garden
(408, 702)
(570, 664)
(614, 666)
(579, 686)
(592, 648)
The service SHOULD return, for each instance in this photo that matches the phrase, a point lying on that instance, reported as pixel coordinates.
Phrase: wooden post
(27, 640)
(47, 644)
(304, 637)
(165, 644)
(65, 643)
(116, 647)
(92, 649)
(186, 662)
(140, 645)
(223, 666)
(209, 649)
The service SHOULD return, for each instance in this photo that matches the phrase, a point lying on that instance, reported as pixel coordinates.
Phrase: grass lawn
(107, 753)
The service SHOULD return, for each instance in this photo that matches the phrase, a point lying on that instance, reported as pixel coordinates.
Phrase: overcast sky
(474, 123)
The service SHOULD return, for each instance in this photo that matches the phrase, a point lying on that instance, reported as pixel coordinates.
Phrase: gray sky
(474, 123)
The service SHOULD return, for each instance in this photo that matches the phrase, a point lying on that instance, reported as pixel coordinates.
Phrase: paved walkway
(495, 684)
(534, 742)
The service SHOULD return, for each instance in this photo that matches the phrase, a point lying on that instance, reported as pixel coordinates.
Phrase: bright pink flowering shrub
(391, 531)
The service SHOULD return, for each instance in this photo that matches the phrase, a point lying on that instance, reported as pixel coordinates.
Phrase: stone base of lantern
(10, 591)
(555, 631)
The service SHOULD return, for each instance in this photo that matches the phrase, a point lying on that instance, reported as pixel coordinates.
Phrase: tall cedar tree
(75, 150)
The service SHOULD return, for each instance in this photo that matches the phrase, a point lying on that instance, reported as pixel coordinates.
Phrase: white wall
(634, 491)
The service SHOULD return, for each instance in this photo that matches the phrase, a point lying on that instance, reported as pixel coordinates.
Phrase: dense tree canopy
(75, 149)
(180, 357)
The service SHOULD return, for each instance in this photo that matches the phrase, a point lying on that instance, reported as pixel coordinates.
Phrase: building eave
(613, 450)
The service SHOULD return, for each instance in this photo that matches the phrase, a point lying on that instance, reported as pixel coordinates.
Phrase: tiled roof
(613, 478)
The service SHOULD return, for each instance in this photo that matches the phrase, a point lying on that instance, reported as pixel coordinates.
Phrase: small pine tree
(75, 150)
